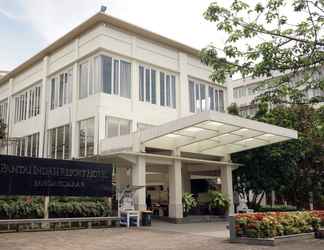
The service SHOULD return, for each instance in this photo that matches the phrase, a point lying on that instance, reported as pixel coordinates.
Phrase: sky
(27, 26)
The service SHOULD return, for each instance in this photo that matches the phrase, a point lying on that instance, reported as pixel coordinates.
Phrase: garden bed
(274, 227)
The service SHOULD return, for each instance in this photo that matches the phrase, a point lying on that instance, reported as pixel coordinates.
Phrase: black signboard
(47, 177)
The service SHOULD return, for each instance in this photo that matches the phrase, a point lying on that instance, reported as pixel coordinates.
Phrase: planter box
(272, 241)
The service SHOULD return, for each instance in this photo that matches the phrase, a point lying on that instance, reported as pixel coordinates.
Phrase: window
(204, 97)
(28, 146)
(167, 90)
(117, 126)
(147, 84)
(3, 111)
(59, 142)
(27, 104)
(86, 138)
(61, 89)
(239, 92)
(113, 76)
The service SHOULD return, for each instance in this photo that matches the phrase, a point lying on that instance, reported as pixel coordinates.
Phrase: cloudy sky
(27, 26)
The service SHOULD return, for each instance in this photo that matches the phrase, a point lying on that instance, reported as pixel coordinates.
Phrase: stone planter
(272, 241)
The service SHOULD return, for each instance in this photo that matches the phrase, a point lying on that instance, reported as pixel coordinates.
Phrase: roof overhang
(210, 133)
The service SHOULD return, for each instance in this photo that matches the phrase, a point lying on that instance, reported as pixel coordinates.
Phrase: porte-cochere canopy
(210, 133)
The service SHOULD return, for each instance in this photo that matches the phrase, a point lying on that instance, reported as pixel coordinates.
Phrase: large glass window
(27, 104)
(113, 76)
(117, 126)
(147, 84)
(86, 138)
(28, 146)
(167, 90)
(204, 97)
(61, 89)
(240, 92)
(59, 142)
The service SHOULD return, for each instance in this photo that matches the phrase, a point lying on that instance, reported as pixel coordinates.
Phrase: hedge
(22, 208)
(273, 224)
(277, 208)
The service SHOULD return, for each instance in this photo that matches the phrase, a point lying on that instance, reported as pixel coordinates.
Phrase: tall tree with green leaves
(281, 42)
(293, 169)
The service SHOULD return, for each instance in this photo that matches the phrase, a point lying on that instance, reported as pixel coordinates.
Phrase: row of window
(203, 97)
(61, 89)
(105, 74)
(59, 142)
(27, 104)
(243, 91)
(28, 146)
(148, 87)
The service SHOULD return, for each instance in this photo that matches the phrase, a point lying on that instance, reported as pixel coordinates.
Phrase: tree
(293, 169)
(278, 41)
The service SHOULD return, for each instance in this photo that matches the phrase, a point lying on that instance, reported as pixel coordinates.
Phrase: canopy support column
(139, 179)
(227, 183)
(175, 190)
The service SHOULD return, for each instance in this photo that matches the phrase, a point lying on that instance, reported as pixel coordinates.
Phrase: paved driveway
(215, 229)
(132, 239)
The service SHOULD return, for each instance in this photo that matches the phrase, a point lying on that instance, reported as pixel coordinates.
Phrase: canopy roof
(210, 133)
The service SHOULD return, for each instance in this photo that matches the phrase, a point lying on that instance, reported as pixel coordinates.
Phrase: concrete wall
(108, 40)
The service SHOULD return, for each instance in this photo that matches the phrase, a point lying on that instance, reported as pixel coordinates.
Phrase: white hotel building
(114, 92)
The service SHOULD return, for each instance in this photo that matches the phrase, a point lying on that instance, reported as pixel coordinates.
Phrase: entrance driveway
(212, 229)
(134, 239)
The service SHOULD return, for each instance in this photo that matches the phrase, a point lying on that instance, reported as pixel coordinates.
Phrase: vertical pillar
(183, 87)
(175, 190)
(46, 203)
(139, 179)
(74, 106)
(43, 110)
(227, 183)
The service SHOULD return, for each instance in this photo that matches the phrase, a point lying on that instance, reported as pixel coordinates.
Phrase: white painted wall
(109, 40)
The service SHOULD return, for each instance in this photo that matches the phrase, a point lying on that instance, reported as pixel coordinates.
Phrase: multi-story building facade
(244, 91)
(91, 90)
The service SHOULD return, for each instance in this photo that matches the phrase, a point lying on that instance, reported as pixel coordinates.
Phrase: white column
(43, 111)
(183, 88)
(175, 190)
(139, 179)
(74, 106)
(227, 183)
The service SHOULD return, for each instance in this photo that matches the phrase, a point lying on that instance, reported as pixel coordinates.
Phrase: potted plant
(218, 203)
(189, 202)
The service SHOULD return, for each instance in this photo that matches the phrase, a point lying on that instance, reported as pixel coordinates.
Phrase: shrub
(273, 224)
(29, 208)
(277, 208)
(78, 209)
(20, 209)
(189, 202)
